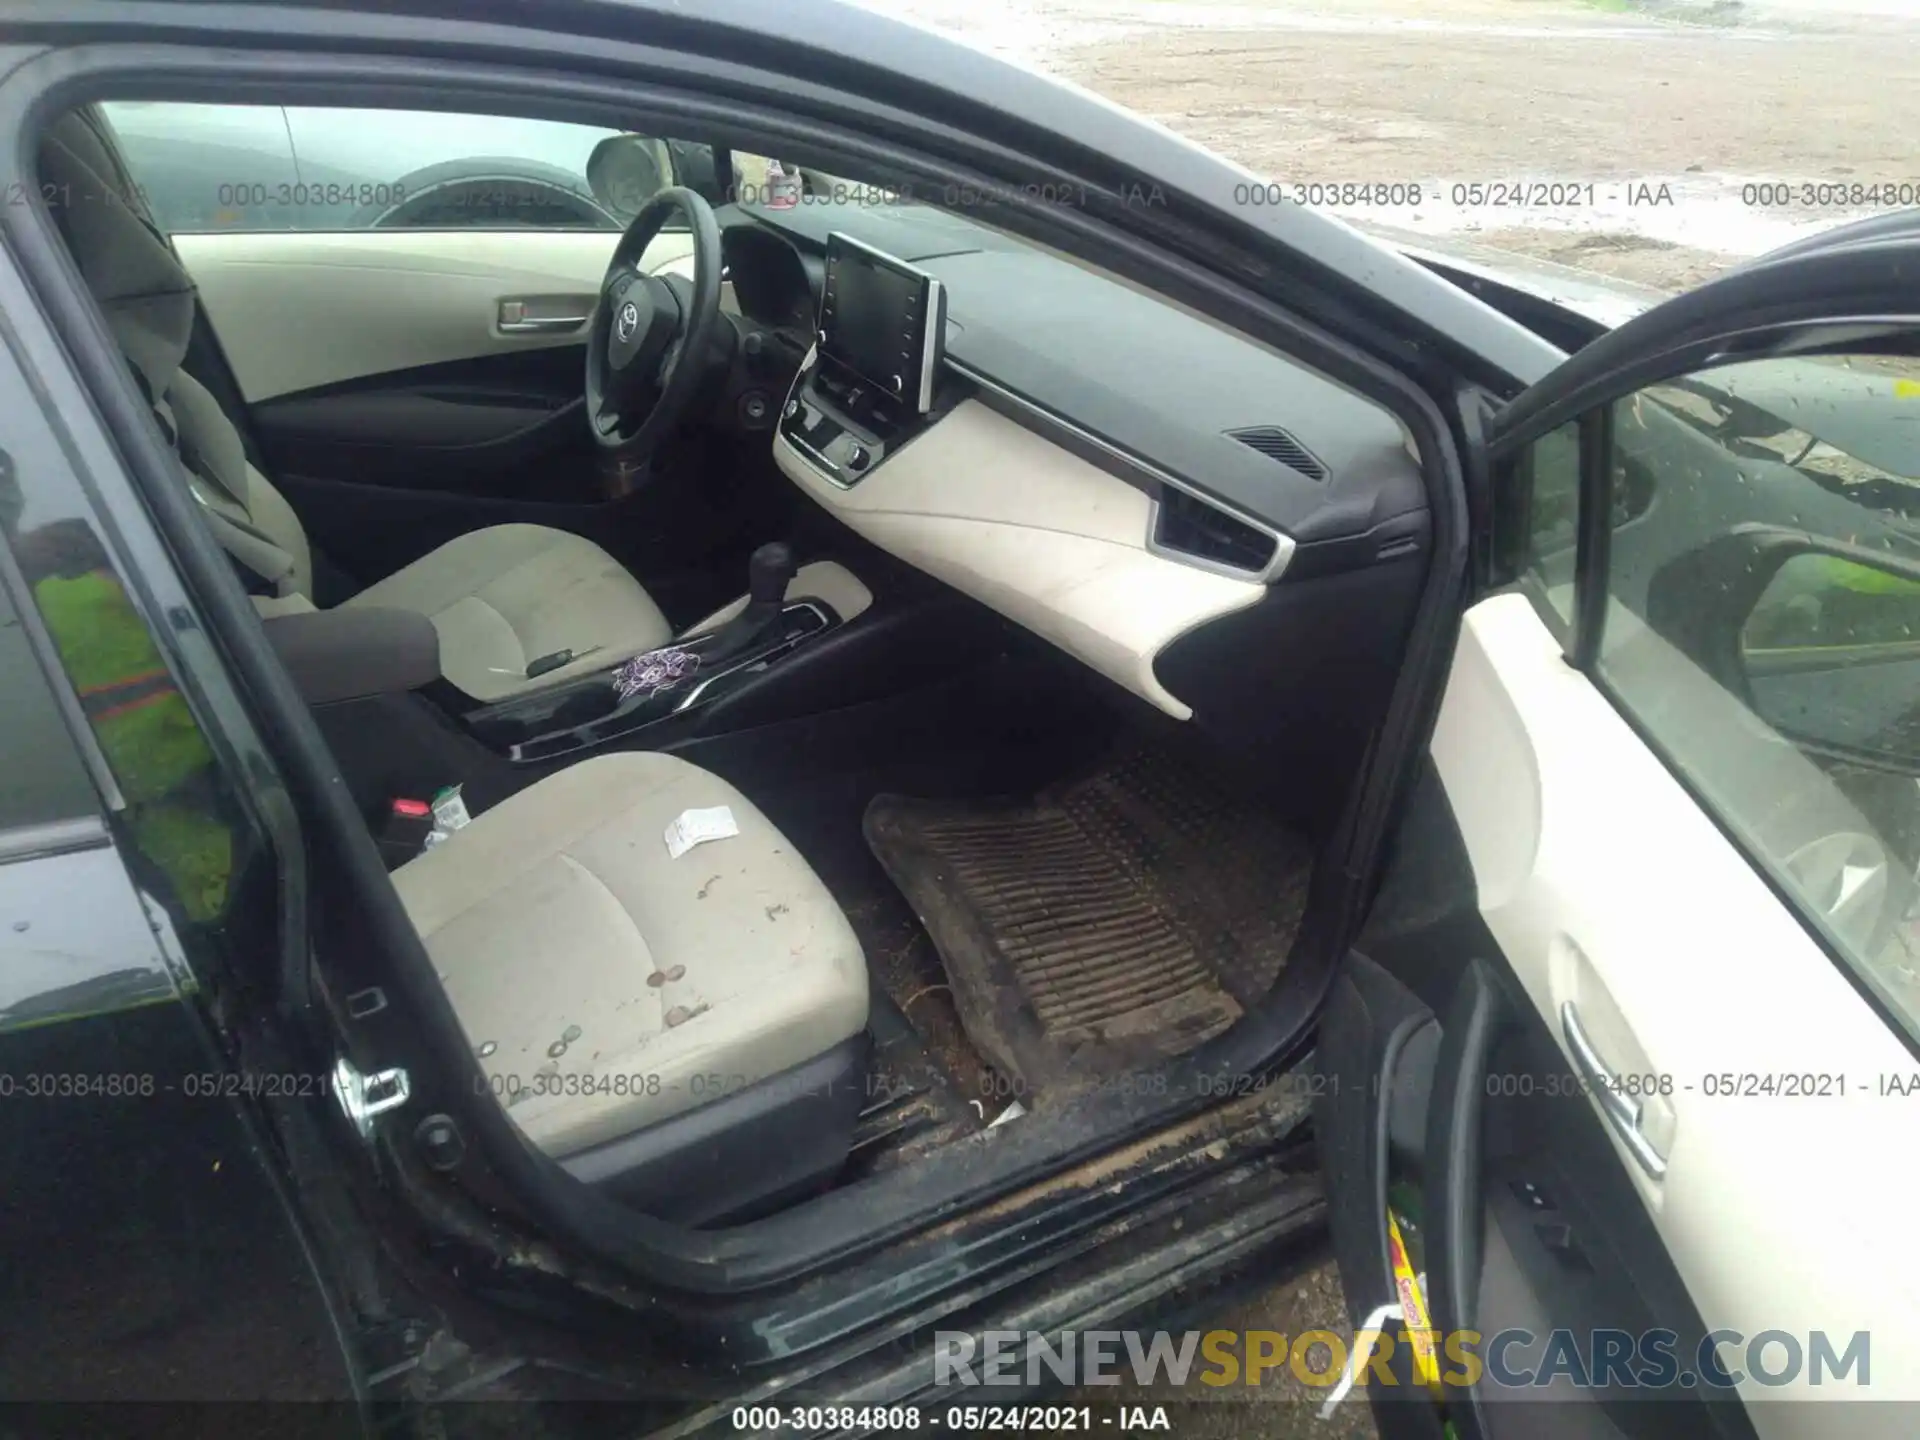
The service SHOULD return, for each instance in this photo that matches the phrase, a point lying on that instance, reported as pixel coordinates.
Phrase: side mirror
(1821, 638)
(626, 171)
(1831, 654)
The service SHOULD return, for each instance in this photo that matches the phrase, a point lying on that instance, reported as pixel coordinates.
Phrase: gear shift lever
(769, 572)
(770, 569)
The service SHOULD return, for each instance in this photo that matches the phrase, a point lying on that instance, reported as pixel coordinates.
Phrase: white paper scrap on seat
(696, 827)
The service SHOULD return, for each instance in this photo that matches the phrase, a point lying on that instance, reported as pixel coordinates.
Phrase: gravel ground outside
(1652, 117)
(1667, 109)
(1283, 1407)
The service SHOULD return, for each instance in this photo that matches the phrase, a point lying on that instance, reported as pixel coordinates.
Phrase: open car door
(1626, 1048)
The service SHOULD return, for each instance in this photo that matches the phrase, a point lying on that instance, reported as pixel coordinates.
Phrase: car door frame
(160, 1152)
(1407, 1037)
(1367, 332)
(1848, 277)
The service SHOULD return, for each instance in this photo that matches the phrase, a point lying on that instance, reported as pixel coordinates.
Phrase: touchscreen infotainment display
(881, 319)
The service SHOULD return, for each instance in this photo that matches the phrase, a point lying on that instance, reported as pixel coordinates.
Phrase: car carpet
(977, 734)
(1121, 917)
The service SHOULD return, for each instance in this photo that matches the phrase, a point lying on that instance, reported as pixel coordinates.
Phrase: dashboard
(771, 284)
(1100, 465)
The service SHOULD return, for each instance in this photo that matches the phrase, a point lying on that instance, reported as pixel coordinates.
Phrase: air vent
(1276, 444)
(1189, 526)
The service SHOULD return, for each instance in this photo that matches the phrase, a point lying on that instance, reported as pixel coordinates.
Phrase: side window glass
(207, 167)
(1763, 626)
(213, 168)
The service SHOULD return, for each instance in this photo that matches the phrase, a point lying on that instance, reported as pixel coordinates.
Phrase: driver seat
(499, 598)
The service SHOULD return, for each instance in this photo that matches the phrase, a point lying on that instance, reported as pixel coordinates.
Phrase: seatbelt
(202, 464)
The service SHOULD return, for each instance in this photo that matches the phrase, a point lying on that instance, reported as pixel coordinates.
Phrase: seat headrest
(132, 273)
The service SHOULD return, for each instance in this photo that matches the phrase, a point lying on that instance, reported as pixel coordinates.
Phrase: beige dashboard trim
(1045, 538)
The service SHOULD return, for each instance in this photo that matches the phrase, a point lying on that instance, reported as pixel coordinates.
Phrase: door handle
(1623, 1111)
(546, 315)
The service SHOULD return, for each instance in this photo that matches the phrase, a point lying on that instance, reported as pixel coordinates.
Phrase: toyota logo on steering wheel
(627, 321)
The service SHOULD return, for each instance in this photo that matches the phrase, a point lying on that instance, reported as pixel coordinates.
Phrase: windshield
(1645, 144)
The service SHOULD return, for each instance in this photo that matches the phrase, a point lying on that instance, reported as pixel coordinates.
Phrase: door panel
(297, 311)
(1533, 1230)
(1605, 886)
(507, 426)
(1488, 1158)
(150, 1255)
(149, 1251)
(1698, 927)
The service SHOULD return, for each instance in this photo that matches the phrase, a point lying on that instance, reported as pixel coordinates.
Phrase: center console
(675, 680)
(870, 385)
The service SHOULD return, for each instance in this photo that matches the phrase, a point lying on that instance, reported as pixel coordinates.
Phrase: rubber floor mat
(1119, 918)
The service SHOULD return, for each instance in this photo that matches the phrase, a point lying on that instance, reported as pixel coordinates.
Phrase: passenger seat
(690, 1031)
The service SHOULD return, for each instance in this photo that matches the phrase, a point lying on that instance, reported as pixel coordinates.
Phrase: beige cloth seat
(502, 597)
(499, 598)
(612, 987)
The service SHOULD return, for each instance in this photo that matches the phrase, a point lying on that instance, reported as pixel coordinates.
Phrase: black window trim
(1593, 553)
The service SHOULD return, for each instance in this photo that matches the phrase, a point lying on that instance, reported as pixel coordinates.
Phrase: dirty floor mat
(1120, 918)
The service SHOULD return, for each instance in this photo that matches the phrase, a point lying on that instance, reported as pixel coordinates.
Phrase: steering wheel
(652, 335)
